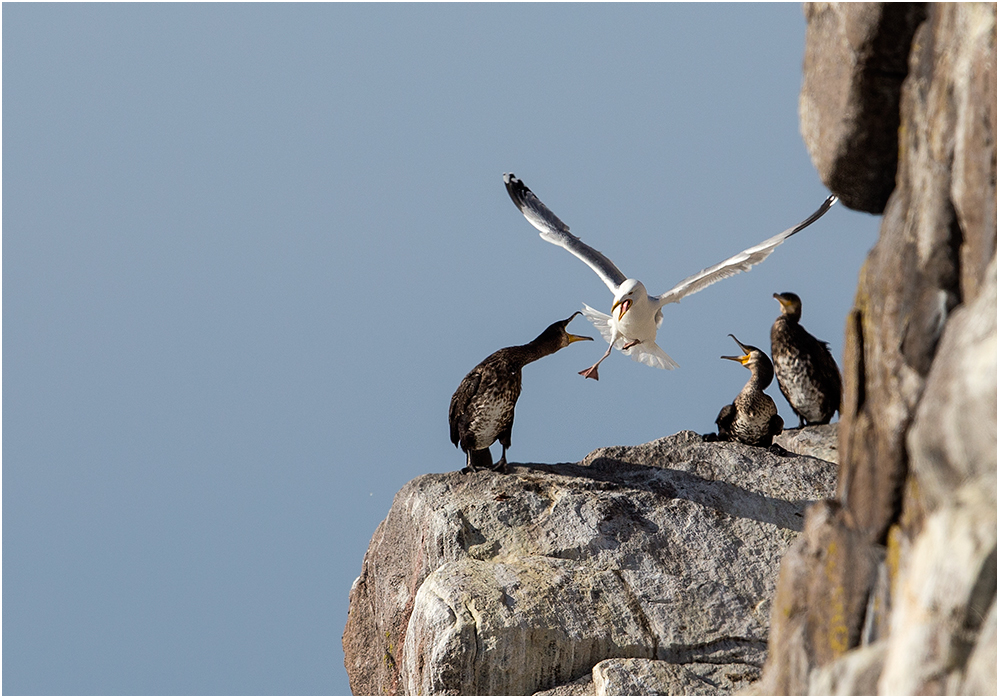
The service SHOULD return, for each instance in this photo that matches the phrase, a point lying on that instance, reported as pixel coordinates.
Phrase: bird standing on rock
(807, 373)
(752, 417)
(482, 408)
(633, 329)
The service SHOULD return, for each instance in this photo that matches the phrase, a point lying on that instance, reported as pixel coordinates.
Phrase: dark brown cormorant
(806, 371)
(752, 417)
(482, 408)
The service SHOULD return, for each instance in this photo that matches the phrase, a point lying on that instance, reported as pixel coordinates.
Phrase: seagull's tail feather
(650, 354)
(602, 322)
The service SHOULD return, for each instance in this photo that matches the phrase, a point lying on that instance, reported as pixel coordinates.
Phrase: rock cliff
(893, 590)
(659, 560)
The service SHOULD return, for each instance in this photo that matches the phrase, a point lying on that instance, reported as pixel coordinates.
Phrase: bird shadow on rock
(612, 474)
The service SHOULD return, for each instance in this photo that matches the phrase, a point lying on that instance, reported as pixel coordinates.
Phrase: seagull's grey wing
(740, 262)
(555, 231)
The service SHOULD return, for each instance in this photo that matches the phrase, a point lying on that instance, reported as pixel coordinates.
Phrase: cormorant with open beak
(752, 417)
(482, 408)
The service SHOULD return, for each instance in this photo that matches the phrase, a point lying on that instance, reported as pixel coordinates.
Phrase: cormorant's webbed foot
(778, 450)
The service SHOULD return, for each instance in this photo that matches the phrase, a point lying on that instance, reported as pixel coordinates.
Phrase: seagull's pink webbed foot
(591, 372)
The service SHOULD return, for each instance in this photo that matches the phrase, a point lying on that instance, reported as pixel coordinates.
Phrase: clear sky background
(251, 250)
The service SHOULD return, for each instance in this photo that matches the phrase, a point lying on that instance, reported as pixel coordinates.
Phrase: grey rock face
(944, 593)
(820, 600)
(581, 687)
(818, 441)
(854, 674)
(954, 435)
(855, 63)
(893, 587)
(636, 677)
(512, 584)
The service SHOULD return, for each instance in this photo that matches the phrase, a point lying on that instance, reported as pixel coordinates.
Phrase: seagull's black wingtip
(515, 188)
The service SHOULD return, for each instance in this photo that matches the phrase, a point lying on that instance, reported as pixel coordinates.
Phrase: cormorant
(482, 408)
(752, 417)
(633, 329)
(806, 371)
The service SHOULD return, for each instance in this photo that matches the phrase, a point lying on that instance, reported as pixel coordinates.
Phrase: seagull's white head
(630, 291)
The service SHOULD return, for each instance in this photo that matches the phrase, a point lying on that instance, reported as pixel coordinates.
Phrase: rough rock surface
(853, 674)
(944, 592)
(820, 600)
(819, 441)
(636, 677)
(513, 584)
(907, 553)
(849, 105)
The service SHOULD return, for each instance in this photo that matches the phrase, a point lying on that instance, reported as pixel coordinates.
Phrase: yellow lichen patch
(837, 639)
(893, 553)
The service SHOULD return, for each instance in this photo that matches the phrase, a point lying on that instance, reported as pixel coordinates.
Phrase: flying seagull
(633, 328)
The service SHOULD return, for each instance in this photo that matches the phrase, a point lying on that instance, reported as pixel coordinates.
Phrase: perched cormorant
(482, 408)
(752, 417)
(806, 371)
(633, 329)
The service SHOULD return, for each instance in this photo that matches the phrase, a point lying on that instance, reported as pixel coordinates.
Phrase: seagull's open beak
(625, 305)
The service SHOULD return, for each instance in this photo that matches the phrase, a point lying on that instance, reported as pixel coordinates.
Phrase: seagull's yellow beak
(625, 305)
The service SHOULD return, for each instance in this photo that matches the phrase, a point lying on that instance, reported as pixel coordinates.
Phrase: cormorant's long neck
(541, 346)
(761, 376)
(793, 316)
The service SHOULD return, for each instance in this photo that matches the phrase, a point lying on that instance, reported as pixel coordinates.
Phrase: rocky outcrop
(819, 441)
(659, 559)
(855, 63)
(893, 588)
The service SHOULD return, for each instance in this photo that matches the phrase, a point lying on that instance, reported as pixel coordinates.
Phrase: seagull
(633, 328)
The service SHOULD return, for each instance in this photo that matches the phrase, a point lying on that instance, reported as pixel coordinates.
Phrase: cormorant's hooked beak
(743, 359)
(787, 304)
(625, 305)
(574, 338)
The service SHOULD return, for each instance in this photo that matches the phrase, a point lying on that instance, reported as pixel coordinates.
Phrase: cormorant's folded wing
(555, 231)
(740, 262)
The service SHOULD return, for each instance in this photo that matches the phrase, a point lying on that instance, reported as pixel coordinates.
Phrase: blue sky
(251, 250)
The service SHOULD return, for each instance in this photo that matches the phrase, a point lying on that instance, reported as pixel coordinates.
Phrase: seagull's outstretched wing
(555, 231)
(740, 262)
